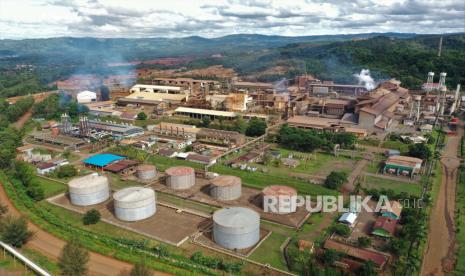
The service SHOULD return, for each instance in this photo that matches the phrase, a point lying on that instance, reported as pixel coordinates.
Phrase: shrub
(14, 231)
(142, 116)
(341, 229)
(66, 171)
(140, 269)
(364, 241)
(335, 180)
(73, 259)
(91, 217)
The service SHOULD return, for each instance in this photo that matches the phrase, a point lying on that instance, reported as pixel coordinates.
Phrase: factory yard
(250, 198)
(166, 225)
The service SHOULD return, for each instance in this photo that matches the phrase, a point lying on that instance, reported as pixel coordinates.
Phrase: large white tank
(180, 178)
(226, 187)
(134, 203)
(89, 190)
(236, 227)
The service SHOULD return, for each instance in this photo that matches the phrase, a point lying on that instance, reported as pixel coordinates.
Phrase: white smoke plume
(364, 78)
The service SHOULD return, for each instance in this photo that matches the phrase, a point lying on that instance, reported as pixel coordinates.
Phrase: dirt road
(440, 252)
(51, 246)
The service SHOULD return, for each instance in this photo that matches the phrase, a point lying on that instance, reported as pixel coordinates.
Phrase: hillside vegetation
(407, 57)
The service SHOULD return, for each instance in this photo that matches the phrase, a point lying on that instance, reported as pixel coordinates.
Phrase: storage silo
(180, 178)
(225, 187)
(279, 199)
(146, 172)
(236, 227)
(134, 203)
(89, 190)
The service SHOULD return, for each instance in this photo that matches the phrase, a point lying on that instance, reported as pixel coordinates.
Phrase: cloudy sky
(213, 18)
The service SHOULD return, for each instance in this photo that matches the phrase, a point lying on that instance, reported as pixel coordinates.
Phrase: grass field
(269, 252)
(396, 145)
(164, 163)
(373, 182)
(50, 187)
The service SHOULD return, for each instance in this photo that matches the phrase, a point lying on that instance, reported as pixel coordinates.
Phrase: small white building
(348, 218)
(86, 96)
(45, 168)
(426, 128)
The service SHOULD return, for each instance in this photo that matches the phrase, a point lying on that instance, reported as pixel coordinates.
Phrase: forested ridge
(30, 66)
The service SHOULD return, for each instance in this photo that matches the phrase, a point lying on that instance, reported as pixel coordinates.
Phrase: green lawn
(396, 145)
(373, 182)
(373, 167)
(51, 187)
(269, 252)
(162, 163)
(259, 180)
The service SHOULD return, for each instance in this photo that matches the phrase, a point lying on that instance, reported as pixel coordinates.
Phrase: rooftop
(102, 159)
(363, 254)
(403, 160)
(205, 112)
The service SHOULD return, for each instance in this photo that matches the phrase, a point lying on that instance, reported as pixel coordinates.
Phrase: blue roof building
(101, 160)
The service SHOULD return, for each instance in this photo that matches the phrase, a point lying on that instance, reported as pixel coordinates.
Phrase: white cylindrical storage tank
(180, 178)
(146, 172)
(279, 199)
(89, 190)
(134, 203)
(225, 187)
(236, 227)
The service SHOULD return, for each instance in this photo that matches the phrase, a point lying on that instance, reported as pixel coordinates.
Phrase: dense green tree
(364, 241)
(73, 259)
(341, 229)
(205, 122)
(240, 125)
(14, 231)
(257, 127)
(345, 139)
(335, 180)
(330, 256)
(91, 217)
(66, 171)
(142, 116)
(35, 191)
(421, 151)
(368, 269)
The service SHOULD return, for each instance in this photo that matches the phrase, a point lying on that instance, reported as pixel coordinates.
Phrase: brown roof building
(362, 255)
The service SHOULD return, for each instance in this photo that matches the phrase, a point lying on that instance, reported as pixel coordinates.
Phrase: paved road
(440, 252)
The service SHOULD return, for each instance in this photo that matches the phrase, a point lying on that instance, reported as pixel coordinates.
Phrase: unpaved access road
(51, 246)
(440, 252)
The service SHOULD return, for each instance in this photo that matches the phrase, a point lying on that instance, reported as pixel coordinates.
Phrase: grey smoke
(364, 78)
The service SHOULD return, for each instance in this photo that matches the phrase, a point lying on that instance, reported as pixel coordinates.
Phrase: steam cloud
(364, 78)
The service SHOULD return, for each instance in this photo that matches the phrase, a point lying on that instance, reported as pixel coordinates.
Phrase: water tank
(236, 227)
(180, 178)
(89, 190)
(225, 187)
(279, 199)
(134, 203)
(146, 172)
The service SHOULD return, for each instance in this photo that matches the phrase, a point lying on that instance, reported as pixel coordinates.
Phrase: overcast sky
(213, 18)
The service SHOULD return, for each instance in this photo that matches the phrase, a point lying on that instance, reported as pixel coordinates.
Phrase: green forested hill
(408, 60)
(407, 57)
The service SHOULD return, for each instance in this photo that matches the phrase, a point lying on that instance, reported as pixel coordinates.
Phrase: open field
(166, 225)
(269, 251)
(373, 182)
(50, 187)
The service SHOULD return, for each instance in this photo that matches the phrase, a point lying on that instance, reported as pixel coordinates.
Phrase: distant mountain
(121, 48)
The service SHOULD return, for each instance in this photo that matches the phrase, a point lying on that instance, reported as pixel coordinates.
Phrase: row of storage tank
(228, 187)
(130, 204)
(233, 228)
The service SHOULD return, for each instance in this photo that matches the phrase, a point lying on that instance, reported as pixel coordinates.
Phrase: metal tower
(442, 81)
